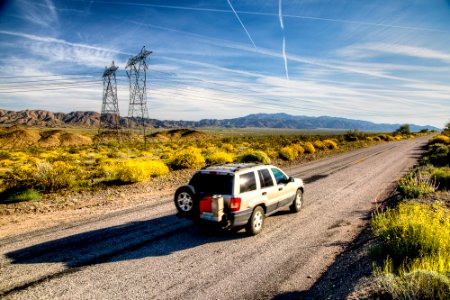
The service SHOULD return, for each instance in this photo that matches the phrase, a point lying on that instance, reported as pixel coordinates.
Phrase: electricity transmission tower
(109, 118)
(137, 74)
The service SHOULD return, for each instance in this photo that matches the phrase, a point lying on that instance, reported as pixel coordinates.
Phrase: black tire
(297, 204)
(185, 201)
(256, 222)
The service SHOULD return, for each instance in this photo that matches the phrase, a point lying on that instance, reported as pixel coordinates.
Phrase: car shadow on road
(341, 278)
(155, 237)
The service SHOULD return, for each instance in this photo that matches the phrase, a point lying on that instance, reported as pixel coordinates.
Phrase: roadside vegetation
(414, 235)
(27, 172)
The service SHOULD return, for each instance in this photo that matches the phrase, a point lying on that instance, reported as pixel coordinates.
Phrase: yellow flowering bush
(188, 158)
(220, 157)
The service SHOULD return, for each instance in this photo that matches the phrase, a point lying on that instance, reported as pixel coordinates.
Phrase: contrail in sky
(239, 19)
(280, 16)
(283, 53)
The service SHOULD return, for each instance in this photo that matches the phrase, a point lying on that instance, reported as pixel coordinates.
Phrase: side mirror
(291, 179)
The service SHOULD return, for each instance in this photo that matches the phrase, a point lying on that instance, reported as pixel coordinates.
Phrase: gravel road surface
(147, 252)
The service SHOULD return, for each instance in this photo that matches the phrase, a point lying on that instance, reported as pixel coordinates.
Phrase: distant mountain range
(89, 119)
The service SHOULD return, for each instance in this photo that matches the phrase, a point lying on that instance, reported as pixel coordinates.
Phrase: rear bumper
(231, 218)
(241, 217)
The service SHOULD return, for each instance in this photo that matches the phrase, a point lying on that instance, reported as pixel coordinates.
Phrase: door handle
(264, 193)
(280, 189)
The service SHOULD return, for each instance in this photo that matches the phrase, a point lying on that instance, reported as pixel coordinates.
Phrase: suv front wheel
(296, 206)
(256, 222)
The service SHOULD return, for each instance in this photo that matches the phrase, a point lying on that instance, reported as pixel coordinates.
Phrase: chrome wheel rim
(185, 201)
(258, 220)
(298, 201)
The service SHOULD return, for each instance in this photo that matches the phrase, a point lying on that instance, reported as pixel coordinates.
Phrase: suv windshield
(212, 184)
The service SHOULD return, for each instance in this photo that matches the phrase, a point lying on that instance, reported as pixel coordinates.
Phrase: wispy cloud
(258, 13)
(243, 26)
(376, 49)
(59, 50)
(42, 14)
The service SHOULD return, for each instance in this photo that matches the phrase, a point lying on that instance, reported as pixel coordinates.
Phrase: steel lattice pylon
(137, 74)
(109, 118)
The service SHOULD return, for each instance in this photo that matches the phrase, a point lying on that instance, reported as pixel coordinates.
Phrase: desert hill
(16, 137)
(89, 119)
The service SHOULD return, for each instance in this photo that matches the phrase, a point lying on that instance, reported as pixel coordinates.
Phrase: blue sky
(381, 61)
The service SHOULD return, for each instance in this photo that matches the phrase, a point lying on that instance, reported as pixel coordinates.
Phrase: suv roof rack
(233, 167)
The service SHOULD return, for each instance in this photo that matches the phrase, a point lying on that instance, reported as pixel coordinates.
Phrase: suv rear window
(212, 184)
(264, 178)
(247, 182)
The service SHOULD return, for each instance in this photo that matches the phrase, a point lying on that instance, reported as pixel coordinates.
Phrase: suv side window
(264, 178)
(279, 176)
(247, 182)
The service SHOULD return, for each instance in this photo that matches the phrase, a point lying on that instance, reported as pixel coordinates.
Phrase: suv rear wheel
(184, 201)
(256, 222)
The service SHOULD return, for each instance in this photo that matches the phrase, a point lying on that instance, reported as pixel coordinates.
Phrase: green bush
(415, 185)
(22, 196)
(219, 157)
(189, 158)
(309, 148)
(437, 154)
(441, 176)
(418, 284)
(254, 156)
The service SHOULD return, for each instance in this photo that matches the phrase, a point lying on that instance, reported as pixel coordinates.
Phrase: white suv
(235, 195)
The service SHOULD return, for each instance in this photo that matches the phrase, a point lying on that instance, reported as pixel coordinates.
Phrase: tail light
(205, 204)
(235, 204)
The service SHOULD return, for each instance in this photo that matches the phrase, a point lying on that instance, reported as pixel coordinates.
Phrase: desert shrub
(437, 154)
(319, 145)
(354, 135)
(219, 157)
(415, 241)
(413, 230)
(288, 153)
(188, 158)
(42, 176)
(376, 139)
(23, 196)
(330, 144)
(440, 139)
(386, 137)
(130, 171)
(254, 156)
(398, 137)
(299, 148)
(228, 147)
(418, 284)
(6, 163)
(309, 148)
(441, 176)
(415, 185)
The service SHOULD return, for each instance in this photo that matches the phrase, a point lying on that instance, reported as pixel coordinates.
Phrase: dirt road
(146, 252)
